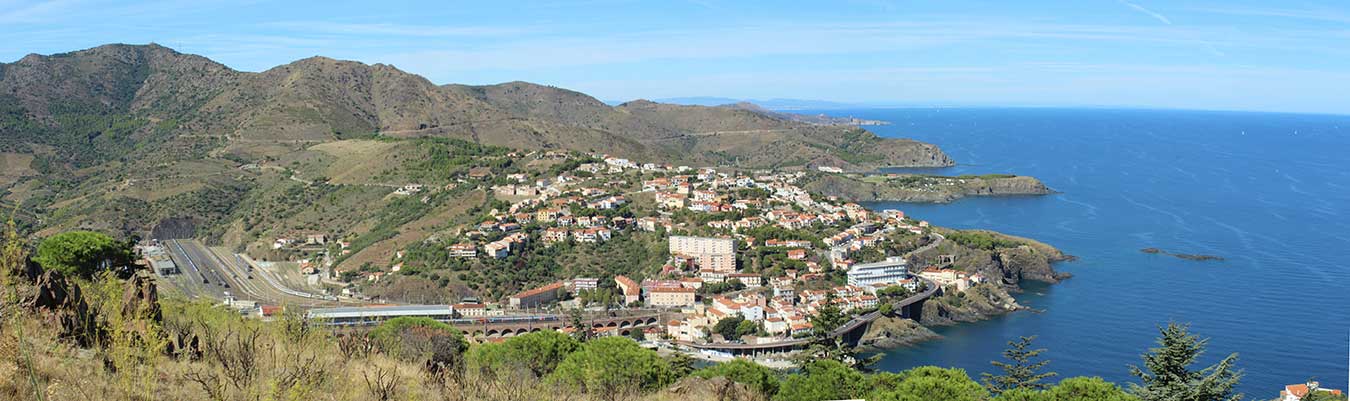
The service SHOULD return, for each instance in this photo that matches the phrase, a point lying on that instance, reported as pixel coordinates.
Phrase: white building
(890, 271)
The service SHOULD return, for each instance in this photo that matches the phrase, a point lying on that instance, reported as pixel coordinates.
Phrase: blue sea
(1268, 192)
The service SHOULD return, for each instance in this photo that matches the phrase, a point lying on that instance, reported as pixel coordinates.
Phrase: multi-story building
(630, 290)
(670, 297)
(465, 250)
(890, 271)
(716, 254)
(536, 297)
(580, 284)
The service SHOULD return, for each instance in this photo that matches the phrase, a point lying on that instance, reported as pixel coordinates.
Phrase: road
(927, 247)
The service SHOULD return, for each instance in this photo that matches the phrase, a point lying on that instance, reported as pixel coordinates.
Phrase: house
(497, 249)
(629, 288)
(408, 189)
(553, 235)
(685, 331)
(801, 329)
(469, 309)
(580, 284)
(669, 200)
(593, 234)
(797, 254)
(750, 280)
(776, 325)
(316, 239)
(950, 277)
(463, 250)
(1297, 392)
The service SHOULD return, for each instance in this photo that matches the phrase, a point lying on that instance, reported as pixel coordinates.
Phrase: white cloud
(1157, 16)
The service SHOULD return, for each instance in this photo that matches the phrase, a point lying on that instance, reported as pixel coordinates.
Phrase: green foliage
(733, 327)
(1167, 373)
(823, 380)
(443, 159)
(745, 372)
(1020, 371)
(1072, 389)
(83, 253)
(894, 291)
(1324, 396)
(828, 318)
(725, 286)
(613, 364)
(415, 338)
(981, 240)
(538, 353)
(985, 176)
(1088, 389)
(933, 383)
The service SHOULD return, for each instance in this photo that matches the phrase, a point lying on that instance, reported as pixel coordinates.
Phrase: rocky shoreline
(1186, 256)
(1006, 267)
(921, 188)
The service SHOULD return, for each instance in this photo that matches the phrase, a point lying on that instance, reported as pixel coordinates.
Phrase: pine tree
(1019, 371)
(1167, 376)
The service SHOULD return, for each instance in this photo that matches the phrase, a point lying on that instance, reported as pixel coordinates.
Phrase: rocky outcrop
(1026, 259)
(62, 303)
(921, 188)
(140, 301)
(977, 303)
(893, 332)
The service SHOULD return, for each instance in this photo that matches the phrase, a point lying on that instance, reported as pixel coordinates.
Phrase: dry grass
(14, 166)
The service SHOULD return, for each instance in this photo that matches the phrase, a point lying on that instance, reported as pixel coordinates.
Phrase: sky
(1286, 56)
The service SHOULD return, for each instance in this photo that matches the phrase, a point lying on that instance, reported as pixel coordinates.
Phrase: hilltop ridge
(191, 99)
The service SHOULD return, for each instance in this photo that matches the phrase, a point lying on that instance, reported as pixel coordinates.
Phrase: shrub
(538, 353)
(933, 383)
(615, 365)
(416, 338)
(745, 372)
(823, 380)
(83, 253)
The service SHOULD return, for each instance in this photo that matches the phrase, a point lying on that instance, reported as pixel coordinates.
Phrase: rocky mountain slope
(154, 94)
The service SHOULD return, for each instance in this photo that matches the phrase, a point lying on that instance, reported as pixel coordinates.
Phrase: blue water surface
(1268, 192)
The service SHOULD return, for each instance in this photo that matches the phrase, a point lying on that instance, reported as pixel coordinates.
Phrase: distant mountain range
(124, 137)
(771, 104)
(149, 97)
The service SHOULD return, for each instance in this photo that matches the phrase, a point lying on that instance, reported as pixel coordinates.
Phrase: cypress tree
(1020, 371)
(1167, 376)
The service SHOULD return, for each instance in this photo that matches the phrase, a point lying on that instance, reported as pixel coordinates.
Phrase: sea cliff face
(1006, 261)
(921, 188)
(894, 332)
(1013, 260)
(977, 303)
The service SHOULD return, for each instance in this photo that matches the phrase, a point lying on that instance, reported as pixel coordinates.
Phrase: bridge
(509, 326)
(620, 322)
(851, 332)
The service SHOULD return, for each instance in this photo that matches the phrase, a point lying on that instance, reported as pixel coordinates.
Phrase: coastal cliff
(1006, 258)
(981, 302)
(893, 332)
(921, 188)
